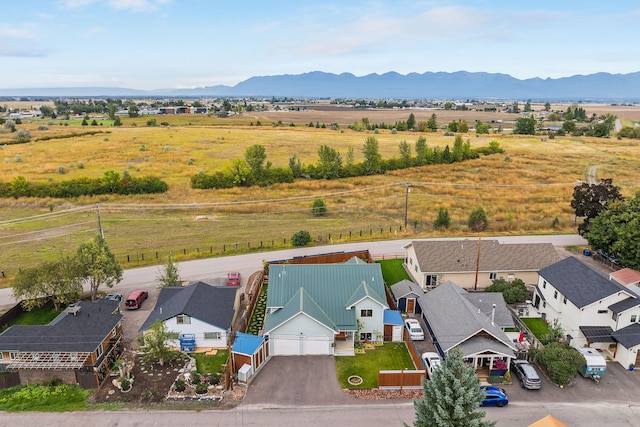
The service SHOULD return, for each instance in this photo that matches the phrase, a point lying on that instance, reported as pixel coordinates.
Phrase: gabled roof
(80, 332)
(626, 276)
(580, 283)
(333, 287)
(300, 303)
(404, 288)
(628, 336)
(211, 304)
(246, 343)
(453, 319)
(451, 256)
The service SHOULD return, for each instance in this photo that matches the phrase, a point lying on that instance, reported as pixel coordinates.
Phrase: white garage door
(300, 346)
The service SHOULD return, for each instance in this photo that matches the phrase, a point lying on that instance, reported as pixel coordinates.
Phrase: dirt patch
(152, 383)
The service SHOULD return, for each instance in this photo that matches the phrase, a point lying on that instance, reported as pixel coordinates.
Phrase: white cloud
(137, 5)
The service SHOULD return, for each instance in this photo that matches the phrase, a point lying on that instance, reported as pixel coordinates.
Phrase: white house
(202, 310)
(474, 264)
(323, 308)
(592, 310)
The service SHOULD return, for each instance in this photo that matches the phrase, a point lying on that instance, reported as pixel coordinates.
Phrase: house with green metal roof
(323, 308)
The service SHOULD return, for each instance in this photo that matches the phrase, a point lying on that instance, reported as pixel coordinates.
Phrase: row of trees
(111, 183)
(61, 281)
(254, 169)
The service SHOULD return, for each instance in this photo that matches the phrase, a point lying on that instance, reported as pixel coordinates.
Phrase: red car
(233, 279)
(134, 301)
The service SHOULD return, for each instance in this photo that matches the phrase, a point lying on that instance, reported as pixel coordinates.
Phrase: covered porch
(344, 344)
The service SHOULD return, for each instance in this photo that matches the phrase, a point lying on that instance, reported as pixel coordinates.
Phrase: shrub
(62, 170)
(195, 378)
(125, 384)
(52, 382)
(215, 379)
(319, 207)
(179, 385)
(143, 148)
(80, 165)
(43, 127)
(202, 388)
(301, 238)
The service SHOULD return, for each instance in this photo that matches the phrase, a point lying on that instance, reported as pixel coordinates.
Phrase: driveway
(297, 381)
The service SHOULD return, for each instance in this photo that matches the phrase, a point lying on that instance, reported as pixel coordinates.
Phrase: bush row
(111, 183)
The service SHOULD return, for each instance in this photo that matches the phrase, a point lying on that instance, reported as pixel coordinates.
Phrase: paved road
(216, 268)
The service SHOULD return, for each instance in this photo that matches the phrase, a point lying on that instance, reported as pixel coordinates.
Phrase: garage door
(300, 346)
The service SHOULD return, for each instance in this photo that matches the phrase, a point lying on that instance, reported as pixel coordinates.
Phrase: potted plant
(179, 385)
(124, 384)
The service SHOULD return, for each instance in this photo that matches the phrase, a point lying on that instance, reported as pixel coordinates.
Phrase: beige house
(433, 262)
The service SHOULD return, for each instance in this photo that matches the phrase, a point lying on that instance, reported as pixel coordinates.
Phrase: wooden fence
(401, 379)
(253, 293)
(9, 379)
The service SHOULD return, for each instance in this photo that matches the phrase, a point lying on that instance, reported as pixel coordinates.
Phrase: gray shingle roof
(82, 332)
(211, 304)
(436, 256)
(334, 287)
(624, 305)
(581, 284)
(406, 287)
(484, 302)
(628, 336)
(453, 319)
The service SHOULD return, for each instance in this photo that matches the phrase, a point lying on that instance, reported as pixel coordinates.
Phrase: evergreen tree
(451, 396)
(443, 220)
(411, 121)
(478, 219)
(372, 158)
(168, 275)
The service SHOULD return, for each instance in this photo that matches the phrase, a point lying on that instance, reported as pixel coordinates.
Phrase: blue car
(494, 396)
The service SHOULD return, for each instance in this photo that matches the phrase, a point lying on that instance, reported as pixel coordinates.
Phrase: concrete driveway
(297, 381)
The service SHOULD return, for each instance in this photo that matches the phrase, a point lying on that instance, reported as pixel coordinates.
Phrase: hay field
(523, 190)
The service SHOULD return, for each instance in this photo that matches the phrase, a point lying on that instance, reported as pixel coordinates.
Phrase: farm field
(527, 189)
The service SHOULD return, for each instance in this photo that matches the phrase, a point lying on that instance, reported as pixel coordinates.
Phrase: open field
(523, 190)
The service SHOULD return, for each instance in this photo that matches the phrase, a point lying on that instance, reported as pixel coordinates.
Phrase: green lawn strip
(393, 271)
(390, 356)
(537, 326)
(62, 398)
(206, 363)
(38, 316)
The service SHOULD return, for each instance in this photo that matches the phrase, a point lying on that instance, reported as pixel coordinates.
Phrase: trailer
(594, 365)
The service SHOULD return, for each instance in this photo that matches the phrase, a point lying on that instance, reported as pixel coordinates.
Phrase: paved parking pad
(297, 381)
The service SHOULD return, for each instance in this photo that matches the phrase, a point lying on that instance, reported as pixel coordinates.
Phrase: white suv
(413, 328)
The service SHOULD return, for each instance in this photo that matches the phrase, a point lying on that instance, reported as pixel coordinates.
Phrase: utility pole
(406, 205)
(99, 223)
(475, 284)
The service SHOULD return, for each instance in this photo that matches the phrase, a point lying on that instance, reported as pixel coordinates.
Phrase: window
(544, 284)
(615, 316)
(212, 335)
(633, 318)
(544, 304)
(555, 294)
(564, 300)
(416, 268)
(510, 277)
(602, 311)
(365, 336)
(99, 350)
(410, 261)
(366, 313)
(432, 280)
(493, 275)
(183, 319)
(13, 355)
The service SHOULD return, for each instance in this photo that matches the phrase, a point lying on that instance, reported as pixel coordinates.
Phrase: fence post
(224, 248)
(236, 246)
(156, 254)
(143, 256)
(128, 260)
(184, 250)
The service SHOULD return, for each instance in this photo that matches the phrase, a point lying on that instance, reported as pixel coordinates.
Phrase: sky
(169, 44)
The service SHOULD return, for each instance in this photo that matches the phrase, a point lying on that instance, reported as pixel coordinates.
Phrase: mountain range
(429, 85)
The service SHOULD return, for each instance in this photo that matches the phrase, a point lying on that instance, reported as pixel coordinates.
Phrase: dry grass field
(523, 190)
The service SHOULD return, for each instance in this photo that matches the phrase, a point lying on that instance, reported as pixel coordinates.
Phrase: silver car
(527, 374)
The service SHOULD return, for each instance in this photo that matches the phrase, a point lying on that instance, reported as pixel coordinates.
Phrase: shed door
(411, 305)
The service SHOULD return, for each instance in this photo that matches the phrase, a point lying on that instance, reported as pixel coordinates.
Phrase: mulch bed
(375, 394)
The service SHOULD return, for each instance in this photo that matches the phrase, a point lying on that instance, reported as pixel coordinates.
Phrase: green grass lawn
(62, 398)
(367, 365)
(37, 316)
(206, 364)
(393, 271)
(538, 326)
